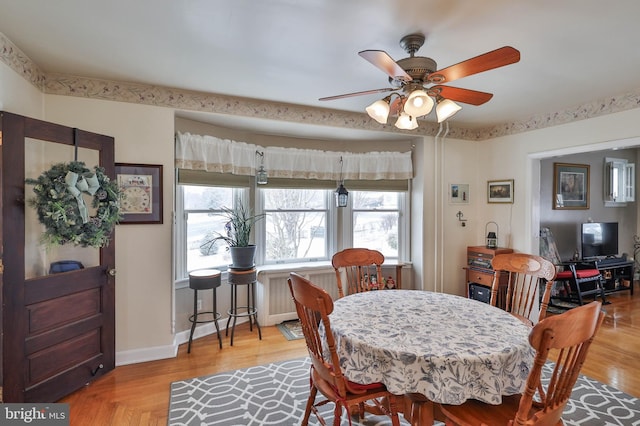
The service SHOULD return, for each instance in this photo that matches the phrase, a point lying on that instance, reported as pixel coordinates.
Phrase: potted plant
(240, 222)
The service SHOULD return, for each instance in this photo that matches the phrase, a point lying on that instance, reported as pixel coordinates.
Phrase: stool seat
(243, 276)
(204, 279)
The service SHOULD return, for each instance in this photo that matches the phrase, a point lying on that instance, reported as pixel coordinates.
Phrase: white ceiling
(296, 51)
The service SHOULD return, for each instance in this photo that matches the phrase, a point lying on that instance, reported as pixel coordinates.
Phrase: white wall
(19, 96)
(144, 288)
(461, 165)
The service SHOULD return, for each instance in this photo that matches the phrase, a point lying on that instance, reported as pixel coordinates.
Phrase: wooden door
(58, 329)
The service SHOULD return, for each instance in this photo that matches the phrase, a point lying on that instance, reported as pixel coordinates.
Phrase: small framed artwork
(141, 186)
(500, 191)
(570, 186)
(459, 193)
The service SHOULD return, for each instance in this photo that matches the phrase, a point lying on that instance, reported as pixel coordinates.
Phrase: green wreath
(62, 210)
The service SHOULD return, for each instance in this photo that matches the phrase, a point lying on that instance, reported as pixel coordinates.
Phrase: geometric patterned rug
(276, 394)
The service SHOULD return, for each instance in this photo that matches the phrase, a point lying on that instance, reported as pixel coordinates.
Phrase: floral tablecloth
(446, 347)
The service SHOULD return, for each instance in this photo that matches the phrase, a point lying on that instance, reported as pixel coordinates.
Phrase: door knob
(111, 272)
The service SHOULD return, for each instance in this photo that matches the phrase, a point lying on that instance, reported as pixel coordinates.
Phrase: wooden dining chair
(526, 272)
(313, 305)
(567, 337)
(360, 266)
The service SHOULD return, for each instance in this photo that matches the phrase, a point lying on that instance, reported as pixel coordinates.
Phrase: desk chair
(359, 265)
(568, 336)
(313, 305)
(525, 272)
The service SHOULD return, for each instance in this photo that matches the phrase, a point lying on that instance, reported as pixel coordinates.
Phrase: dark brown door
(58, 329)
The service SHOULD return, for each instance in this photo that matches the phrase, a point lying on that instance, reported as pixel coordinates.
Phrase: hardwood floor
(139, 394)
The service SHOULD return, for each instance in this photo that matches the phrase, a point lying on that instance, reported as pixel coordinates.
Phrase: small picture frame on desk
(141, 187)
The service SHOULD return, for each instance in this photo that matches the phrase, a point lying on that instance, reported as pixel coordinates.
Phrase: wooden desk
(433, 347)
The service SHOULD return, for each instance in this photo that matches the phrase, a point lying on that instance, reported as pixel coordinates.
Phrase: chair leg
(337, 414)
(602, 295)
(579, 291)
(393, 410)
(307, 412)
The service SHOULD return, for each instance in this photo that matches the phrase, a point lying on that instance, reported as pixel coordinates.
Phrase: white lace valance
(213, 154)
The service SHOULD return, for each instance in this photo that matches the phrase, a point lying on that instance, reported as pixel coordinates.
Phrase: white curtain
(213, 154)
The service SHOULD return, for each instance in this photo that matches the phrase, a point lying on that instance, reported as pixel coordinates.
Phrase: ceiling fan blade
(382, 60)
(467, 96)
(496, 58)
(366, 92)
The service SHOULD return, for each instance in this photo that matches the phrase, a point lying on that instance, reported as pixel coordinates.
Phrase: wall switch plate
(199, 304)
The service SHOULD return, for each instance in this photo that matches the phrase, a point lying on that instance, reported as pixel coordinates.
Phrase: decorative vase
(242, 257)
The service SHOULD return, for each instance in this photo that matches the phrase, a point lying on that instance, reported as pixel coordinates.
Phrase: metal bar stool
(204, 279)
(236, 278)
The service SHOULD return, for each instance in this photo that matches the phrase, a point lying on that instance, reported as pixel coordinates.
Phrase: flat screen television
(599, 239)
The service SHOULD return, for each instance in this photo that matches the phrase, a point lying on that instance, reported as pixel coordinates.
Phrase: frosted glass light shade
(446, 109)
(379, 111)
(406, 122)
(418, 103)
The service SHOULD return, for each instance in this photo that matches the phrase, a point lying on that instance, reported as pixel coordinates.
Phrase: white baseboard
(170, 351)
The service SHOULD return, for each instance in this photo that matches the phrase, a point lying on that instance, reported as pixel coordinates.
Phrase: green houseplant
(240, 222)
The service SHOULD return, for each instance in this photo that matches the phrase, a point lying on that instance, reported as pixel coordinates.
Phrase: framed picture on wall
(570, 186)
(141, 186)
(459, 193)
(500, 191)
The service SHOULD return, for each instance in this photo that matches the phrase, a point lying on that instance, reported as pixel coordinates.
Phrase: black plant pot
(243, 257)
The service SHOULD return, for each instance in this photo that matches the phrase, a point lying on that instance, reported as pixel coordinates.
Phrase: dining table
(431, 347)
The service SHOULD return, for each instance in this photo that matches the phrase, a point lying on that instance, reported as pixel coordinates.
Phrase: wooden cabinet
(479, 273)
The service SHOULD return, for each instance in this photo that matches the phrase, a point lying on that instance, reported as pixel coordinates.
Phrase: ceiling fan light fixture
(446, 108)
(379, 110)
(406, 122)
(418, 103)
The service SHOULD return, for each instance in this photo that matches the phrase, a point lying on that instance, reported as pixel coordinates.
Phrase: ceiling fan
(417, 83)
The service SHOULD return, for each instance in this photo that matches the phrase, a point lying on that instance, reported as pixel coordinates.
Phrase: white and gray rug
(275, 394)
(291, 330)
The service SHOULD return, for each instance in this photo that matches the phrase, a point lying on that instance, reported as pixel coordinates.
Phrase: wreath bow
(77, 184)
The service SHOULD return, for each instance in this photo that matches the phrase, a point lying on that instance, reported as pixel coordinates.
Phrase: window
(301, 224)
(619, 182)
(295, 225)
(376, 221)
(199, 223)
